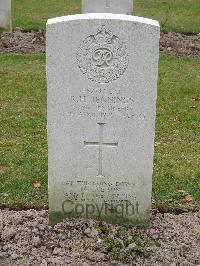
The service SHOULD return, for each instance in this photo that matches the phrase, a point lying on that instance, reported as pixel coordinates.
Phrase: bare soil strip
(33, 42)
(26, 239)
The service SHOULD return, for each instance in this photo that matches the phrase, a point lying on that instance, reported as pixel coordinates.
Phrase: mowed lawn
(174, 15)
(23, 136)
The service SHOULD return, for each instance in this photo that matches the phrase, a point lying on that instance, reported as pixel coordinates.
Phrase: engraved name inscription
(96, 105)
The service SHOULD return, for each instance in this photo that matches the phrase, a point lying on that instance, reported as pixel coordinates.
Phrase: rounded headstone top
(103, 16)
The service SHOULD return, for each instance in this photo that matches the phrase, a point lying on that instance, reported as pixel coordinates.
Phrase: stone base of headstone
(5, 15)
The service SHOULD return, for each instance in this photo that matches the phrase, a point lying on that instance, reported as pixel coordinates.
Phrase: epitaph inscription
(102, 56)
(90, 197)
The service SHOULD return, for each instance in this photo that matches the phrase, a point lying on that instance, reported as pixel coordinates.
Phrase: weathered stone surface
(102, 75)
(5, 15)
(107, 6)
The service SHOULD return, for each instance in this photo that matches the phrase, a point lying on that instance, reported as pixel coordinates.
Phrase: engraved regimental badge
(102, 57)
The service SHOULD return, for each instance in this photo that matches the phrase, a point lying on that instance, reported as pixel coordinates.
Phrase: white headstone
(108, 6)
(5, 15)
(102, 80)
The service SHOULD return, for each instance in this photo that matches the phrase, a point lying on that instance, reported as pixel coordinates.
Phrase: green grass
(174, 15)
(23, 148)
(23, 145)
(33, 14)
(177, 161)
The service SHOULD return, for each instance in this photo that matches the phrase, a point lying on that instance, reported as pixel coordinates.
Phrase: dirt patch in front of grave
(179, 44)
(26, 239)
(33, 42)
(23, 42)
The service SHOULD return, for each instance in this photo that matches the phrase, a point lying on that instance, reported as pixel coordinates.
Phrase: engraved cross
(101, 144)
(107, 3)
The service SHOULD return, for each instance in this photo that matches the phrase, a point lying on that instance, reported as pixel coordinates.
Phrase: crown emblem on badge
(103, 35)
(102, 57)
